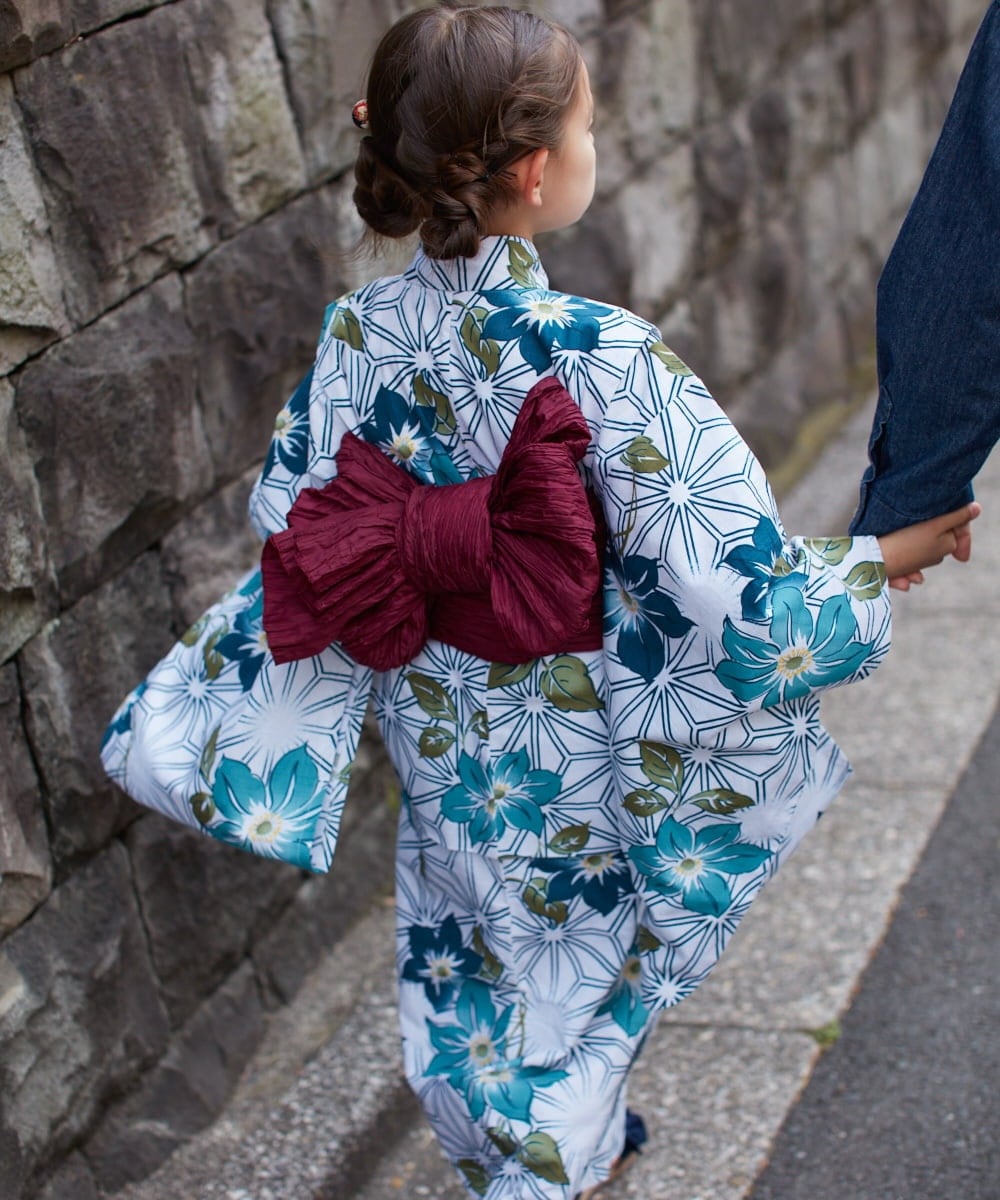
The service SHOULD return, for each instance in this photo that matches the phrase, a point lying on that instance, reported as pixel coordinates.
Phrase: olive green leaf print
(214, 662)
(829, 550)
(476, 1175)
(471, 332)
(536, 900)
(570, 840)
(346, 327)
(642, 456)
(566, 683)
(866, 580)
(435, 741)
(520, 263)
(491, 969)
(540, 1154)
(426, 397)
(670, 360)
(480, 725)
(432, 697)
(662, 765)
(507, 674)
(643, 803)
(721, 802)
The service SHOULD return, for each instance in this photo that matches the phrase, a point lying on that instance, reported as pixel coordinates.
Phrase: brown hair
(455, 96)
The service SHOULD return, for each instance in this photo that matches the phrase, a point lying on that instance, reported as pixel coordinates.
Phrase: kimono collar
(501, 263)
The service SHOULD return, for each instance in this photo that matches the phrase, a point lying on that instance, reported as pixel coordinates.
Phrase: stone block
(658, 219)
(185, 1091)
(31, 28)
(770, 122)
(206, 552)
(645, 84)
(861, 64)
(201, 903)
(120, 398)
(79, 1011)
(724, 175)
(27, 584)
(742, 42)
(31, 306)
(73, 1180)
(74, 674)
(326, 50)
(155, 138)
(256, 304)
(25, 867)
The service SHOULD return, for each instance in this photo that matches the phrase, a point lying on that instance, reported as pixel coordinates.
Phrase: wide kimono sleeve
(707, 588)
(221, 737)
(719, 632)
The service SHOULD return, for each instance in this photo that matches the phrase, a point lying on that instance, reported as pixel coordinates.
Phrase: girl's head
(479, 122)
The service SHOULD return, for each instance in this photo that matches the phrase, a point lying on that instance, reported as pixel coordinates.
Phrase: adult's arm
(938, 316)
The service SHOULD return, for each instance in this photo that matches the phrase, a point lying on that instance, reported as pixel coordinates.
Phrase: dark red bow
(507, 566)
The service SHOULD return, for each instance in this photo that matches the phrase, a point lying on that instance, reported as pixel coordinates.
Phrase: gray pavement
(322, 1114)
(906, 1105)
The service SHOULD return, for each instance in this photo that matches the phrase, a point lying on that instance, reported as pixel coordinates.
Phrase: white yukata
(581, 834)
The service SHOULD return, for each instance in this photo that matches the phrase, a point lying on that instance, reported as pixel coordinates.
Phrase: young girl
(596, 784)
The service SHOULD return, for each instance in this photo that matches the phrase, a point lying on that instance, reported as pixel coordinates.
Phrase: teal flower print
(799, 657)
(473, 1056)
(275, 817)
(642, 615)
(624, 1003)
(765, 565)
(694, 866)
(122, 720)
(247, 643)
(405, 433)
(601, 879)
(490, 798)
(439, 961)
(290, 440)
(541, 320)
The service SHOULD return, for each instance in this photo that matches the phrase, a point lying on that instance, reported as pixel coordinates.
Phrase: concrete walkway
(323, 1113)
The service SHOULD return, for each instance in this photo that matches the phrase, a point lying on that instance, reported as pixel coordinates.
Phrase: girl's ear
(529, 171)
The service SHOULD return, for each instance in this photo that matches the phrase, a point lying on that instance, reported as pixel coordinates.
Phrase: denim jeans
(938, 316)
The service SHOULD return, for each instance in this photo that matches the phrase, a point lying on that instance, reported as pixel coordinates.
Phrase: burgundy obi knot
(507, 567)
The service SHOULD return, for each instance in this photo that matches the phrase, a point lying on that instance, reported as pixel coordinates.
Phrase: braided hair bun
(455, 96)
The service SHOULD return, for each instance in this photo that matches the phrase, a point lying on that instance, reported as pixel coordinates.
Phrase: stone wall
(174, 214)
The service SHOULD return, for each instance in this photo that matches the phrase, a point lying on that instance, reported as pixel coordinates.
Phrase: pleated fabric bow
(507, 566)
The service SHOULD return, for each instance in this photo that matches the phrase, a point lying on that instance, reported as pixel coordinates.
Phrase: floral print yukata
(580, 835)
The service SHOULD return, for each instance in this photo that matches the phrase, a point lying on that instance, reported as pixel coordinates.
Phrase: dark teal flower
(122, 721)
(439, 961)
(767, 568)
(405, 432)
(290, 440)
(643, 616)
(276, 817)
(601, 879)
(695, 866)
(247, 643)
(473, 1056)
(799, 657)
(624, 1003)
(541, 320)
(490, 798)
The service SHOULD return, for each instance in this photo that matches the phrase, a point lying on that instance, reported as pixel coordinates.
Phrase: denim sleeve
(938, 316)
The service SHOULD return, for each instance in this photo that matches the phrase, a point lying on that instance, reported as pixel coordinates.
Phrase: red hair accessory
(359, 114)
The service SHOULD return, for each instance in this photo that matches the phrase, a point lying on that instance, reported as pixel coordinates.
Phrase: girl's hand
(908, 551)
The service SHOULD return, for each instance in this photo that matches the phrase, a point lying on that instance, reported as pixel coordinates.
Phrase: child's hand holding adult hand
(908, 551)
